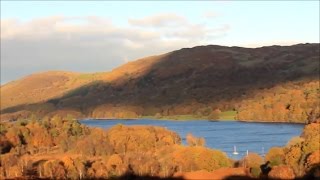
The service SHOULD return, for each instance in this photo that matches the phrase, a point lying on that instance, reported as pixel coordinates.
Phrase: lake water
(223, 135)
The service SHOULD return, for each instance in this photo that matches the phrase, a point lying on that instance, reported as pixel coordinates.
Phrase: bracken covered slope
(194, 81)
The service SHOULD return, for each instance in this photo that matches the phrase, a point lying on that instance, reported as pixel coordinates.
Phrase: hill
(199, 81)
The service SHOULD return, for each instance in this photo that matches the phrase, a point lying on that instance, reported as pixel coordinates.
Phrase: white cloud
(132, 45)
(210, 14)
(90, 44)
(160, 20)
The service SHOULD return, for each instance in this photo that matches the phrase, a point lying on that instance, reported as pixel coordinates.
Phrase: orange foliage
(275, 156)
(199, 158)
(281, 172)
(140, 150)
(140, 138)
(194, 141)
(290, 102)
(313, 160)
(252, 160)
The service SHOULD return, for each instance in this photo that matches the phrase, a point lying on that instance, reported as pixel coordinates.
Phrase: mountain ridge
(179, 82)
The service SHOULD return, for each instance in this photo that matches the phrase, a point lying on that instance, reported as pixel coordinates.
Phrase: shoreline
(224, 116)
(278, 122)
(182, 120)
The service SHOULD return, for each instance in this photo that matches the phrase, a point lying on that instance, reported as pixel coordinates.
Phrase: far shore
(195, 119)
(279, 122)
(224, 116)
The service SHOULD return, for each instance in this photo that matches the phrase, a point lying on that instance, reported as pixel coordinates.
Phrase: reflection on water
(254, 137)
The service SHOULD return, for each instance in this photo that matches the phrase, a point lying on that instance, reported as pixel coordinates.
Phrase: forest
(291, 102)
(57, 148)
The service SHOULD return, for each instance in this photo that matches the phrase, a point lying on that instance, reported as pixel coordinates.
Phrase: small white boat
(235, 150)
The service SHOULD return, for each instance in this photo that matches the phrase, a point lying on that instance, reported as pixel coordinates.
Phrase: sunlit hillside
(191, 81)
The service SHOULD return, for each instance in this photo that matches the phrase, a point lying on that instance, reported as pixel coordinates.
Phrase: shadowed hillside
(194, 81)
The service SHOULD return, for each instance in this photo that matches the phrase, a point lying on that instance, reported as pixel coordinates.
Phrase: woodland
(56, 148)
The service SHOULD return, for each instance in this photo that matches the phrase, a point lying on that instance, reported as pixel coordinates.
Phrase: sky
(97, 36)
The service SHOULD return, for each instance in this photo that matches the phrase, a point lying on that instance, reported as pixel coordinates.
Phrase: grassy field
(224, 116)
(228, 115)
(175, 117)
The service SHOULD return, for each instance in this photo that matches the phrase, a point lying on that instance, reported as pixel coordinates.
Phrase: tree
(281, 172)
(14, 137)
(294, 141)
(54, 169)
(214, 115)
(70, 167)
(275, 156)
(293, 156)
(158, 116)
(98, 170)
(194, 141)
(199, 158)
(80, 163)
(313, 160)
(252, 160)
(8, 161)
(115, 164)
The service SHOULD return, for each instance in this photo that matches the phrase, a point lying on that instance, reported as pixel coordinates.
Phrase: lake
(223, 135)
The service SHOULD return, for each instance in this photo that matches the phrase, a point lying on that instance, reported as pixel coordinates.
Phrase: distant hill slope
(188, 81)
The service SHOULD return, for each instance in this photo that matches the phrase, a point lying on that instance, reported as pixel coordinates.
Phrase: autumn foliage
(291, 102)
(64, 149)
(301, 157)
(281, 172)
(273, 84)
